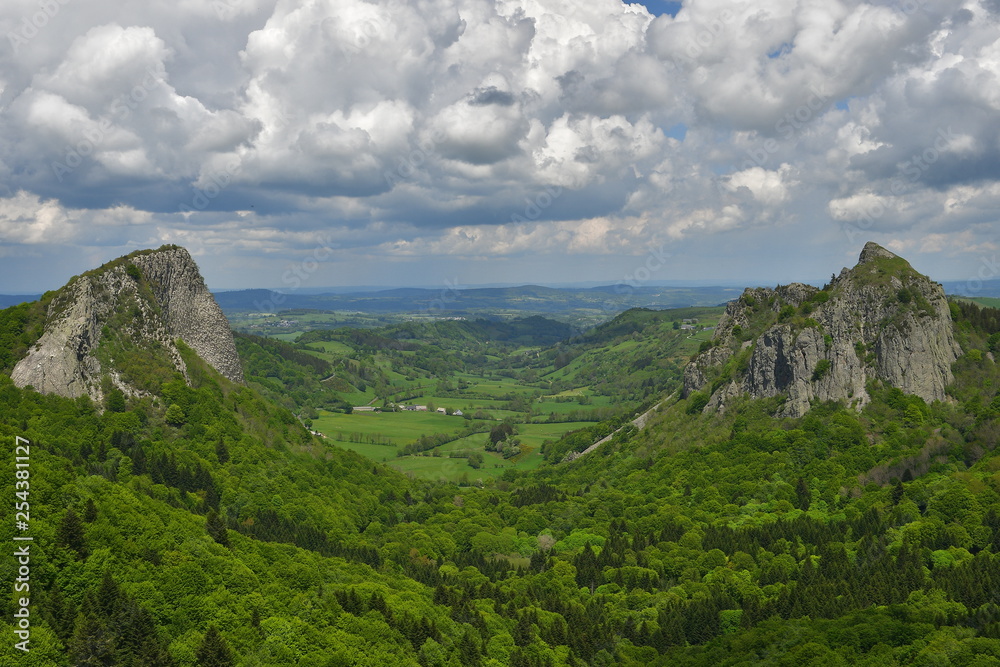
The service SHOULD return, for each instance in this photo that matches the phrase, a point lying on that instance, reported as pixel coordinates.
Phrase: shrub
(175, 415)
(820, 297)
(822, 368)
(115, 401)
(133, 272)
(697, 402)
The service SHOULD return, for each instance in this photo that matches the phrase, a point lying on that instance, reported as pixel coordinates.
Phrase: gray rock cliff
(880, 320)
(137, 306)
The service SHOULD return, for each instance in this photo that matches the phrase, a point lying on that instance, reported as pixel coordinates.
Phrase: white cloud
(26, 219)
(768, 187)
(428, 127)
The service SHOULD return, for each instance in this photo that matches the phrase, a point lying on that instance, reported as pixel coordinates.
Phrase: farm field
(518, 371)
(381, 435)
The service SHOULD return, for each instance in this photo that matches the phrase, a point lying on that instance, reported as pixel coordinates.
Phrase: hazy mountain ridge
(528, 298)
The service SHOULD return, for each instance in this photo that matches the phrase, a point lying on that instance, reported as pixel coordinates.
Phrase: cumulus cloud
(433, 127)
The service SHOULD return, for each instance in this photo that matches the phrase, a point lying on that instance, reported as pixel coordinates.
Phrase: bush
(820, 297)
(786, 312)
(115, 401)
(697, 402)
(175, 415)
(822, 368)
(133, 272)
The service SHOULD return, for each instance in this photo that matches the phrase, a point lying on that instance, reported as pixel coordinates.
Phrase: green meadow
(383, 434)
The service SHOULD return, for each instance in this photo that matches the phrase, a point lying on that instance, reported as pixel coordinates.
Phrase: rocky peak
(873, 251)
(120, 326)
(880, 320)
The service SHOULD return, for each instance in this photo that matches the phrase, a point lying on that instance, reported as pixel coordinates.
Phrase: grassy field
(987, 301)
(402, 428)
(286, 322)
(331, 348)
(524, 386)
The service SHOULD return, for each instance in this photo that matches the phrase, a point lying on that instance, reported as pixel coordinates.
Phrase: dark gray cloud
(482, 97)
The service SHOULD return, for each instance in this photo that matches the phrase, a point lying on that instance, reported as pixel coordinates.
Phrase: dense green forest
(204, 525)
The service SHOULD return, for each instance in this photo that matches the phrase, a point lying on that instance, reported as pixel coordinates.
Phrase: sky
(301, 143)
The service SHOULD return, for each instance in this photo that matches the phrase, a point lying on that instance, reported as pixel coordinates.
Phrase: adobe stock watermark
(887, 23)
(789, 127)
(451, 293)
(217, 183)
(298, 273)
(705, 36)
(536, 206)
(414, 161)
(988, 269)
(31, 25)
(220, 180)
(121, 109)
(909, 172)
(656, 259)
(227, 10)
(364, 34)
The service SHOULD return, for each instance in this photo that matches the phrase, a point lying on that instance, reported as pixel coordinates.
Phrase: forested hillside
(204, 525)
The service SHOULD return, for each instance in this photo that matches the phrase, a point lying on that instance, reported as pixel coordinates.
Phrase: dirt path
(639, 422)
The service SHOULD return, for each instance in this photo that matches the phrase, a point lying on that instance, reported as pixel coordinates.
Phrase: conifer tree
(217, 528)
(91, 645)
(90, 511)
(802, 494)
(468, 651)
(897, 492)
(214, 651)
(70, 534)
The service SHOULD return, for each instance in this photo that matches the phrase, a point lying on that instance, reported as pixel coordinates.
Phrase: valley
(458, 385)
(815, 481)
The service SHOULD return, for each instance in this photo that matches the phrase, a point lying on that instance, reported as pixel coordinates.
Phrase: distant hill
(527, 299)
(8, 300)
(973, 287)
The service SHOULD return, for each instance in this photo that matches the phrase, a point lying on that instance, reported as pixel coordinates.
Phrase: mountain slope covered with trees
(203, 524)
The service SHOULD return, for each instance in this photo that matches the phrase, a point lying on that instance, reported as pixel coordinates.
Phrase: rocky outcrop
(144, 302)
(880, 320)
(190, 310)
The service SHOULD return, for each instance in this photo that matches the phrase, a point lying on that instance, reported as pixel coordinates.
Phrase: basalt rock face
(190, 310)
(880, 320)
(105, 327)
